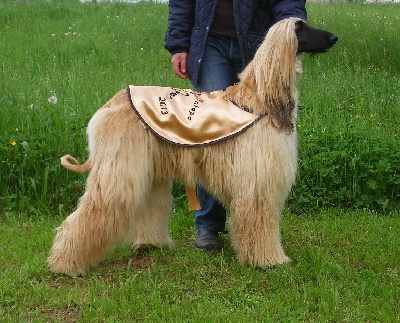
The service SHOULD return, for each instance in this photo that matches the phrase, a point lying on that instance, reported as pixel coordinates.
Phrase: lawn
(345, 267)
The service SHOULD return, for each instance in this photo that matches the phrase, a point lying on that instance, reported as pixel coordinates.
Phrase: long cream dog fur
(128, 190)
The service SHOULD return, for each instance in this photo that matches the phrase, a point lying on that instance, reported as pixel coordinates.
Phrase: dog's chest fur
(187, 117)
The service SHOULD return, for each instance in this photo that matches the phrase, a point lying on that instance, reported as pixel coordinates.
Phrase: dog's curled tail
(71, 163)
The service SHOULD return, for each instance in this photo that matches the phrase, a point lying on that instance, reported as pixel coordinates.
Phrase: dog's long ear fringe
(274, 72)
(281, 113)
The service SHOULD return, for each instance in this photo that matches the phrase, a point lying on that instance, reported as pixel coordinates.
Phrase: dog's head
(311, 40)
(271, 76)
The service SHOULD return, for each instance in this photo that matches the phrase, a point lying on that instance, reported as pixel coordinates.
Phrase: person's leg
(219, 68)
(220, 64)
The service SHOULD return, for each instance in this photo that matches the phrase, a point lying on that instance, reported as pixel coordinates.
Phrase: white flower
(25, 145)
(31, 106)
(53, 99)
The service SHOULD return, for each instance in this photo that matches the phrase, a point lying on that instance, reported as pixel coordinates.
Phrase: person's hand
(178, 62)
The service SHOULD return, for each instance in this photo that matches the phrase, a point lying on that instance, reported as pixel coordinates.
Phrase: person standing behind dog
(211, 41)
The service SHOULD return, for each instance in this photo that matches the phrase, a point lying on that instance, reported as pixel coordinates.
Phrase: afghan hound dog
(251, 170)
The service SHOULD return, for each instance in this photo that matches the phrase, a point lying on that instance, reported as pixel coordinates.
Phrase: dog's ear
(281, 112)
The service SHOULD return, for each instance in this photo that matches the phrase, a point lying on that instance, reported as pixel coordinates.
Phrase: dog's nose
(333, 39)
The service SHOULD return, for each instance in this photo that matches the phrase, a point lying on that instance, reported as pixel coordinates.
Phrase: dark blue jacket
(189, 22)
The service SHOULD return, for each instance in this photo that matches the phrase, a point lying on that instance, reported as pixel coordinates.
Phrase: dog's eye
(299, 25)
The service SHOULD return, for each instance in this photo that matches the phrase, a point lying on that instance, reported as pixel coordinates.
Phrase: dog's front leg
(255, 236)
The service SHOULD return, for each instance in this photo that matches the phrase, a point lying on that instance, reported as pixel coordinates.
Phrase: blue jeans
(219, 68)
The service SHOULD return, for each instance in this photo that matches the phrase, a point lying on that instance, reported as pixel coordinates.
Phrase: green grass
(345, 267)
(356, 87)
(348, 121)
(82, 54)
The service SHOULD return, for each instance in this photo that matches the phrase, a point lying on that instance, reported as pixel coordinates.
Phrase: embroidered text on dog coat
(187, 117)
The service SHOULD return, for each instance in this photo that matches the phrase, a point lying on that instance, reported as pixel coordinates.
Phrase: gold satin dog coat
(187, 117)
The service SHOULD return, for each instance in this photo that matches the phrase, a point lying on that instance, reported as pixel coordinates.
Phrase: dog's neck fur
(282, 112)
(268, 84)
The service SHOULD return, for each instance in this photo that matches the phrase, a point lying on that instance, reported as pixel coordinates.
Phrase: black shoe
(208, 240)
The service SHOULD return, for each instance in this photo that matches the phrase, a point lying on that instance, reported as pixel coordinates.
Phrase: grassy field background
(61, 60)
(345, 268)
(349, 152)
(83, 54)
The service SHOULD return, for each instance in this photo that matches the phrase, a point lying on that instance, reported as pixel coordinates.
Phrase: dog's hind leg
(121, 176)
(150, 226)
(114, 191)
(85, 235)
(255, 235)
